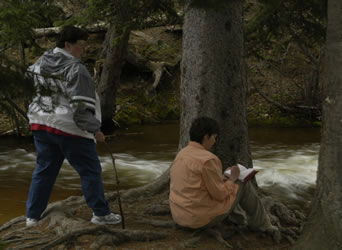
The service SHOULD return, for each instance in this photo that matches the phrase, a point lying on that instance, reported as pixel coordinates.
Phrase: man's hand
(235, 172)
(99, 136)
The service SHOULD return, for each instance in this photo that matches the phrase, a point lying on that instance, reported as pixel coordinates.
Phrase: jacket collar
(63, 51)
(196, 145)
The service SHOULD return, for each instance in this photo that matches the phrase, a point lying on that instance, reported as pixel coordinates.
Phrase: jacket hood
(54, 62)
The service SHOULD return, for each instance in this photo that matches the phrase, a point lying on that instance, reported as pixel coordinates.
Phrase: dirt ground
(176, 237)
(137, 217)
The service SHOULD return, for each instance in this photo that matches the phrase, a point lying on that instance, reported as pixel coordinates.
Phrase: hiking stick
(117, 186)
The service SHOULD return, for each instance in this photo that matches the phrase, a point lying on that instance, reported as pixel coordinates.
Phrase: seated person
(200, 196)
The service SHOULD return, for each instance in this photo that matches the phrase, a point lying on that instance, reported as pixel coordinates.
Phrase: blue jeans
(81, 153)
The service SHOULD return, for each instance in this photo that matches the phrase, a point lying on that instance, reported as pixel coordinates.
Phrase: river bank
(286, 160)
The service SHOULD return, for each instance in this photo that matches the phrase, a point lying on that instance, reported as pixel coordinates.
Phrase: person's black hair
(70, 34)
(202, 126)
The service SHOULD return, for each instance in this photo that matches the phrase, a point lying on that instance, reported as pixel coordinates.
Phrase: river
(286, 160)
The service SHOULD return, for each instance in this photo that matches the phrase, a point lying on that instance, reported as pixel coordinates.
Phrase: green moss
(317, 124)
(160, 51)
(141, 108)
(279, 120)
(127, 113)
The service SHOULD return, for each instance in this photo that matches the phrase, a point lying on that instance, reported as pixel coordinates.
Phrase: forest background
(142, 39)
(283, 51)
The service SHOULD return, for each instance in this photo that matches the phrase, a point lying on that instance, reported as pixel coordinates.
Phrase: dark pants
(81, 153)
(249, 201)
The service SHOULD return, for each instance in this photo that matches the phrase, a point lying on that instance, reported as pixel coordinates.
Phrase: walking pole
(117, 186)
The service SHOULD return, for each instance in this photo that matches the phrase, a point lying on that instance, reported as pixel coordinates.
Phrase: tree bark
(324, 227)
(212, 85)
(115, 48)
(213, 78)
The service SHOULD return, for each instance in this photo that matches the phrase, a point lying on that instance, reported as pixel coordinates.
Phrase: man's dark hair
(70, 34)
(202, 126)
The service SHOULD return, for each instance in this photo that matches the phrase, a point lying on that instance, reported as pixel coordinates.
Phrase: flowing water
(286, 160)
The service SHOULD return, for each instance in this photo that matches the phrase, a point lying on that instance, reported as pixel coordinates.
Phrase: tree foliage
(15, 92)
(275, 25)
(121, 16)
(18, 19)
(287, 36)
(129, 14)
(285, 21)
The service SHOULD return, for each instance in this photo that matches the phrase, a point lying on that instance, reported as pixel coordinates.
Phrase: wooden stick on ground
(117, 187)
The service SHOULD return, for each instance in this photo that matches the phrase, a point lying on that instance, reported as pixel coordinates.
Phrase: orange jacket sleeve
(212, 177)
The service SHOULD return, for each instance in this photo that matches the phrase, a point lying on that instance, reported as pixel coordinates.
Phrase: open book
(245, 173)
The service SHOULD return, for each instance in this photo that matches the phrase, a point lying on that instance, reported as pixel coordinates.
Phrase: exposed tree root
(157, 209)
(18, 234)
(65, 224)
(33, 244)
(196, 236)
(199, 234)
(107, 236)
(148, 191)
(20, 219)
(158, 223)
(21, 239)
(290, 223)
(191, 243)
(218, 236)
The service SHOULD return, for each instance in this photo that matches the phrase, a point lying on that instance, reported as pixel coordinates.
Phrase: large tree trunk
(212, 85)
(324, 228)
(115, 48)
(213, 78)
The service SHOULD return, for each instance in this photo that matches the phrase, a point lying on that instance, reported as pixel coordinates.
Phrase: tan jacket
(197, 191)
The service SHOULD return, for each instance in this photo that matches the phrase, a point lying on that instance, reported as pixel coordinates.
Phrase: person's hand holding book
(242, 173)
(234, 173)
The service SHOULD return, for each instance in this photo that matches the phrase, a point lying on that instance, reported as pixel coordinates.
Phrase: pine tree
(122, 16)
(18, 19)
(280, 34)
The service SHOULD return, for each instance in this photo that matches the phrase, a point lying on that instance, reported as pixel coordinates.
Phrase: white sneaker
(31, 222)
(111, 218)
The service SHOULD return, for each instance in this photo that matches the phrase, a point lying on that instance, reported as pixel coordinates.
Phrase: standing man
(199, 194)
(65, 119)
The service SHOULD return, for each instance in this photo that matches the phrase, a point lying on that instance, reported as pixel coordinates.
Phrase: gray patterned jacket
(66, 98)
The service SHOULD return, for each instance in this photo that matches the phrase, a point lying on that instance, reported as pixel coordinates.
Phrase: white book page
(244, 172)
